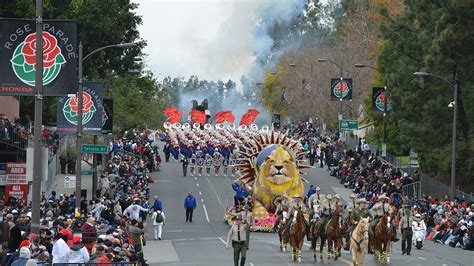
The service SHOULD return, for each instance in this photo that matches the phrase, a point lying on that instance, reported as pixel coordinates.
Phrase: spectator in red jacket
(89, 234)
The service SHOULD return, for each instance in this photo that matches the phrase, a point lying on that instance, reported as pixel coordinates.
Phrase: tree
(436, 37)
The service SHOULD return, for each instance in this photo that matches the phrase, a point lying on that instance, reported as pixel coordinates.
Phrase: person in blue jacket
(157, 205)
(241, 192)
(311, 191)
(189, 206)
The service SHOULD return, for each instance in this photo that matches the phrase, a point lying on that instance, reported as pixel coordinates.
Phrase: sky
(209, 38)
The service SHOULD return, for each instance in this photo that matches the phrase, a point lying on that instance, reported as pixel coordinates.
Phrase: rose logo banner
(341, 89)
(107, 116)
(378, 100)
(18, 57)
(92, 115)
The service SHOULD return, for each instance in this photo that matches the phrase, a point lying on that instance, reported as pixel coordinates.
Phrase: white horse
(360, 241)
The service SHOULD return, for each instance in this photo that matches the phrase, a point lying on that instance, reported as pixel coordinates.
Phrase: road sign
(348, 125)
(89, 148)
(70, 181)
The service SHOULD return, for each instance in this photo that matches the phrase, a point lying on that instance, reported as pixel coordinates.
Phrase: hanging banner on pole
(107, 116)
(18, 57)
(378, 100)
(67, 109)
(341, 89)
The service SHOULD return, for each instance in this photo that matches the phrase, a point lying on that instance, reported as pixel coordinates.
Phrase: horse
(335, 233)
(383, 238)
(282, 235)
(315, 234)
(297, 234)
(360, 241)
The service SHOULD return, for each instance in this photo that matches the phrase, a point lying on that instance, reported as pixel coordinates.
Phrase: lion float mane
(270, 164)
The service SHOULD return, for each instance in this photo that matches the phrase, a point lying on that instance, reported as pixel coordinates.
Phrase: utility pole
(38, 144)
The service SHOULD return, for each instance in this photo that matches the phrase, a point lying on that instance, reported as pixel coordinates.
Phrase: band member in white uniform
(217, 161)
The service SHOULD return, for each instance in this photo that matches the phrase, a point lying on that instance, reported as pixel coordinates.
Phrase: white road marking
(195, 178)
(222, 240)
(202, 200)
(200, 193)
(251, 264)
(215, 192)
(197, 184)
(422, 258)
(205, 212)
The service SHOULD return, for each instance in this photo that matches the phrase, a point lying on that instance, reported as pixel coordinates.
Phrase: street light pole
(38, 157)
(79, 134)
(82, 60)
(385, 111)
(453, 145)
(455, 87)
(341, 77)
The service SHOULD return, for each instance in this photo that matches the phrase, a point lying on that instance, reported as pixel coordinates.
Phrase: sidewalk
(59, 181)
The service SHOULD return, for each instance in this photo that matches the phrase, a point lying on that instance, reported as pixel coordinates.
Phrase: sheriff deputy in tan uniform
(247, 219)
(283, 204)
(237, 237)
(326, 209)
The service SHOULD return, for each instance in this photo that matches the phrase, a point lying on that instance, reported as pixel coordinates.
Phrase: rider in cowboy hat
(379, 209)
(355, 216)
(327, 207)
(315, 200)
(297, 205)
(282, 204)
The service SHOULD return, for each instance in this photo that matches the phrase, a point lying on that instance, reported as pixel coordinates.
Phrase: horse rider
(379, 209)
(326, 209)
(283, 204)
(352, 203)
(337, 198)
(355, 215)
(297, 205)
(247, 219)
(315, 200)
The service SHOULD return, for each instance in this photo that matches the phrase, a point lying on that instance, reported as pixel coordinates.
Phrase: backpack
(159, 217)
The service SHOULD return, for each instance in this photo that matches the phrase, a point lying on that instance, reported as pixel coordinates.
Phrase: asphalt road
(202, 242)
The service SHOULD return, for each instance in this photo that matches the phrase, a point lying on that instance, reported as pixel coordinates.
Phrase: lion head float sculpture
(270, 165)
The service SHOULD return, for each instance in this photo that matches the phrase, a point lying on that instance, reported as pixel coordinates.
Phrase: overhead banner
(67, 111)
(18, 57)
(341, 89)
(378, 100)
(107, 116)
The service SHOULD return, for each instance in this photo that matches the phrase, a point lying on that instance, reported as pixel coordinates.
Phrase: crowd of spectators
(13, 132)
(109, 228)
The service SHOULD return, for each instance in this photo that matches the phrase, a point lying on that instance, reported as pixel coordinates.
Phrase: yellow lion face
(279, 167)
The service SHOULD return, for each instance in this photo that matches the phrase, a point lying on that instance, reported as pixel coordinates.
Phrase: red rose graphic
(50, 49)
(86, 103)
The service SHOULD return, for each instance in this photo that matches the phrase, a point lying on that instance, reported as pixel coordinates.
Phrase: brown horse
(335, 232)
(360, 241)
(297, 234)
(383, 238)
(282, 235)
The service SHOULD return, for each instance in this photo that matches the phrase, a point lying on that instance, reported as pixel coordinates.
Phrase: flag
(173, 115)
(224, 116)
(249, 117)
(198, 117)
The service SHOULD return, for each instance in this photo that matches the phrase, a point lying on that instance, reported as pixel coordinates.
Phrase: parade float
(268, 162)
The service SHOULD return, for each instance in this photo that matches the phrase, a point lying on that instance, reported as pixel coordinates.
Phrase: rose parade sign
(92, 107)
(341, 89)
(378, 100)
(18, 57)
(107, 116)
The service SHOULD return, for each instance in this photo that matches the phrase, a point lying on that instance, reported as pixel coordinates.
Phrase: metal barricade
(412, 190)
(92, 264)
